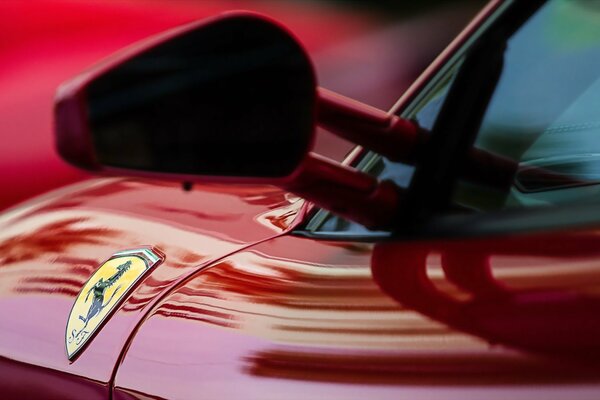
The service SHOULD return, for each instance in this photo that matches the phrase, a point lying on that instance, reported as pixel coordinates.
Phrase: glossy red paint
(289, 317)
(52, 245)
(550, 304)
(298, 318)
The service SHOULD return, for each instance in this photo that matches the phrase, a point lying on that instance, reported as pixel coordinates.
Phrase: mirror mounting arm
(402, 140)
(396, 138)
(346, 192)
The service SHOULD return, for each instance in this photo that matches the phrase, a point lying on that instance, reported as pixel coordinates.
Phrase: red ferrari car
(455, 253)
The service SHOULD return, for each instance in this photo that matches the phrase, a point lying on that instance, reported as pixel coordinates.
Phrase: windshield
(541, 118)
(543, 114)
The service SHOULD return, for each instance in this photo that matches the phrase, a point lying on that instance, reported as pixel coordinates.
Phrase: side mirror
(233, 98)
(229, 97)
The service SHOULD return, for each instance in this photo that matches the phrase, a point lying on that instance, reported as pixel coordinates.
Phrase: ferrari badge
(101, 294)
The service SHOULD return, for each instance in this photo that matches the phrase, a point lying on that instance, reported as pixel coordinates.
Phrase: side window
(544, 114)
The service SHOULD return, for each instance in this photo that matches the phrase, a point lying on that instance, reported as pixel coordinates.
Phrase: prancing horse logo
(99, 288)
(103, 291)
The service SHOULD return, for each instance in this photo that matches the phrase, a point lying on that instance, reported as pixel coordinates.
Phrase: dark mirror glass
(233, 97)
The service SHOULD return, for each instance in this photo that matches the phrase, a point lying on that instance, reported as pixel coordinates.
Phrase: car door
(309, 314)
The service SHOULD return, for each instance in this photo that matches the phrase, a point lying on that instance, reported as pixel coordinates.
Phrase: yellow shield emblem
(106, 288)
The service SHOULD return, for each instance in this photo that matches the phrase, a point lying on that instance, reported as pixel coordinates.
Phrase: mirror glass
(232, 97)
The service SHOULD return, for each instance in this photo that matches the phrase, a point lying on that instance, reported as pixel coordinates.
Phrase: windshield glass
(541, 119)
(543, 115)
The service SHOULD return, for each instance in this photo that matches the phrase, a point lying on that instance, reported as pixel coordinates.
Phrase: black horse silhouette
(99, 289)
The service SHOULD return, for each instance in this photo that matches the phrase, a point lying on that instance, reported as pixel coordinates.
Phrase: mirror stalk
(396, 138)
(346, 191)
(402, 140)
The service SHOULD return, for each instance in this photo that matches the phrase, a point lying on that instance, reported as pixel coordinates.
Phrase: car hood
(50, 246)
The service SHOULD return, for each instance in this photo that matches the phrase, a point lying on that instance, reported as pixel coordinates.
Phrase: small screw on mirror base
(187, 186)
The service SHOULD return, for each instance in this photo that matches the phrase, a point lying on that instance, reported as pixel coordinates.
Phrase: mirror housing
(232, 96)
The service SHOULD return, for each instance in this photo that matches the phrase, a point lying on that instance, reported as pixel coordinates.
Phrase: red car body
(242, 308)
